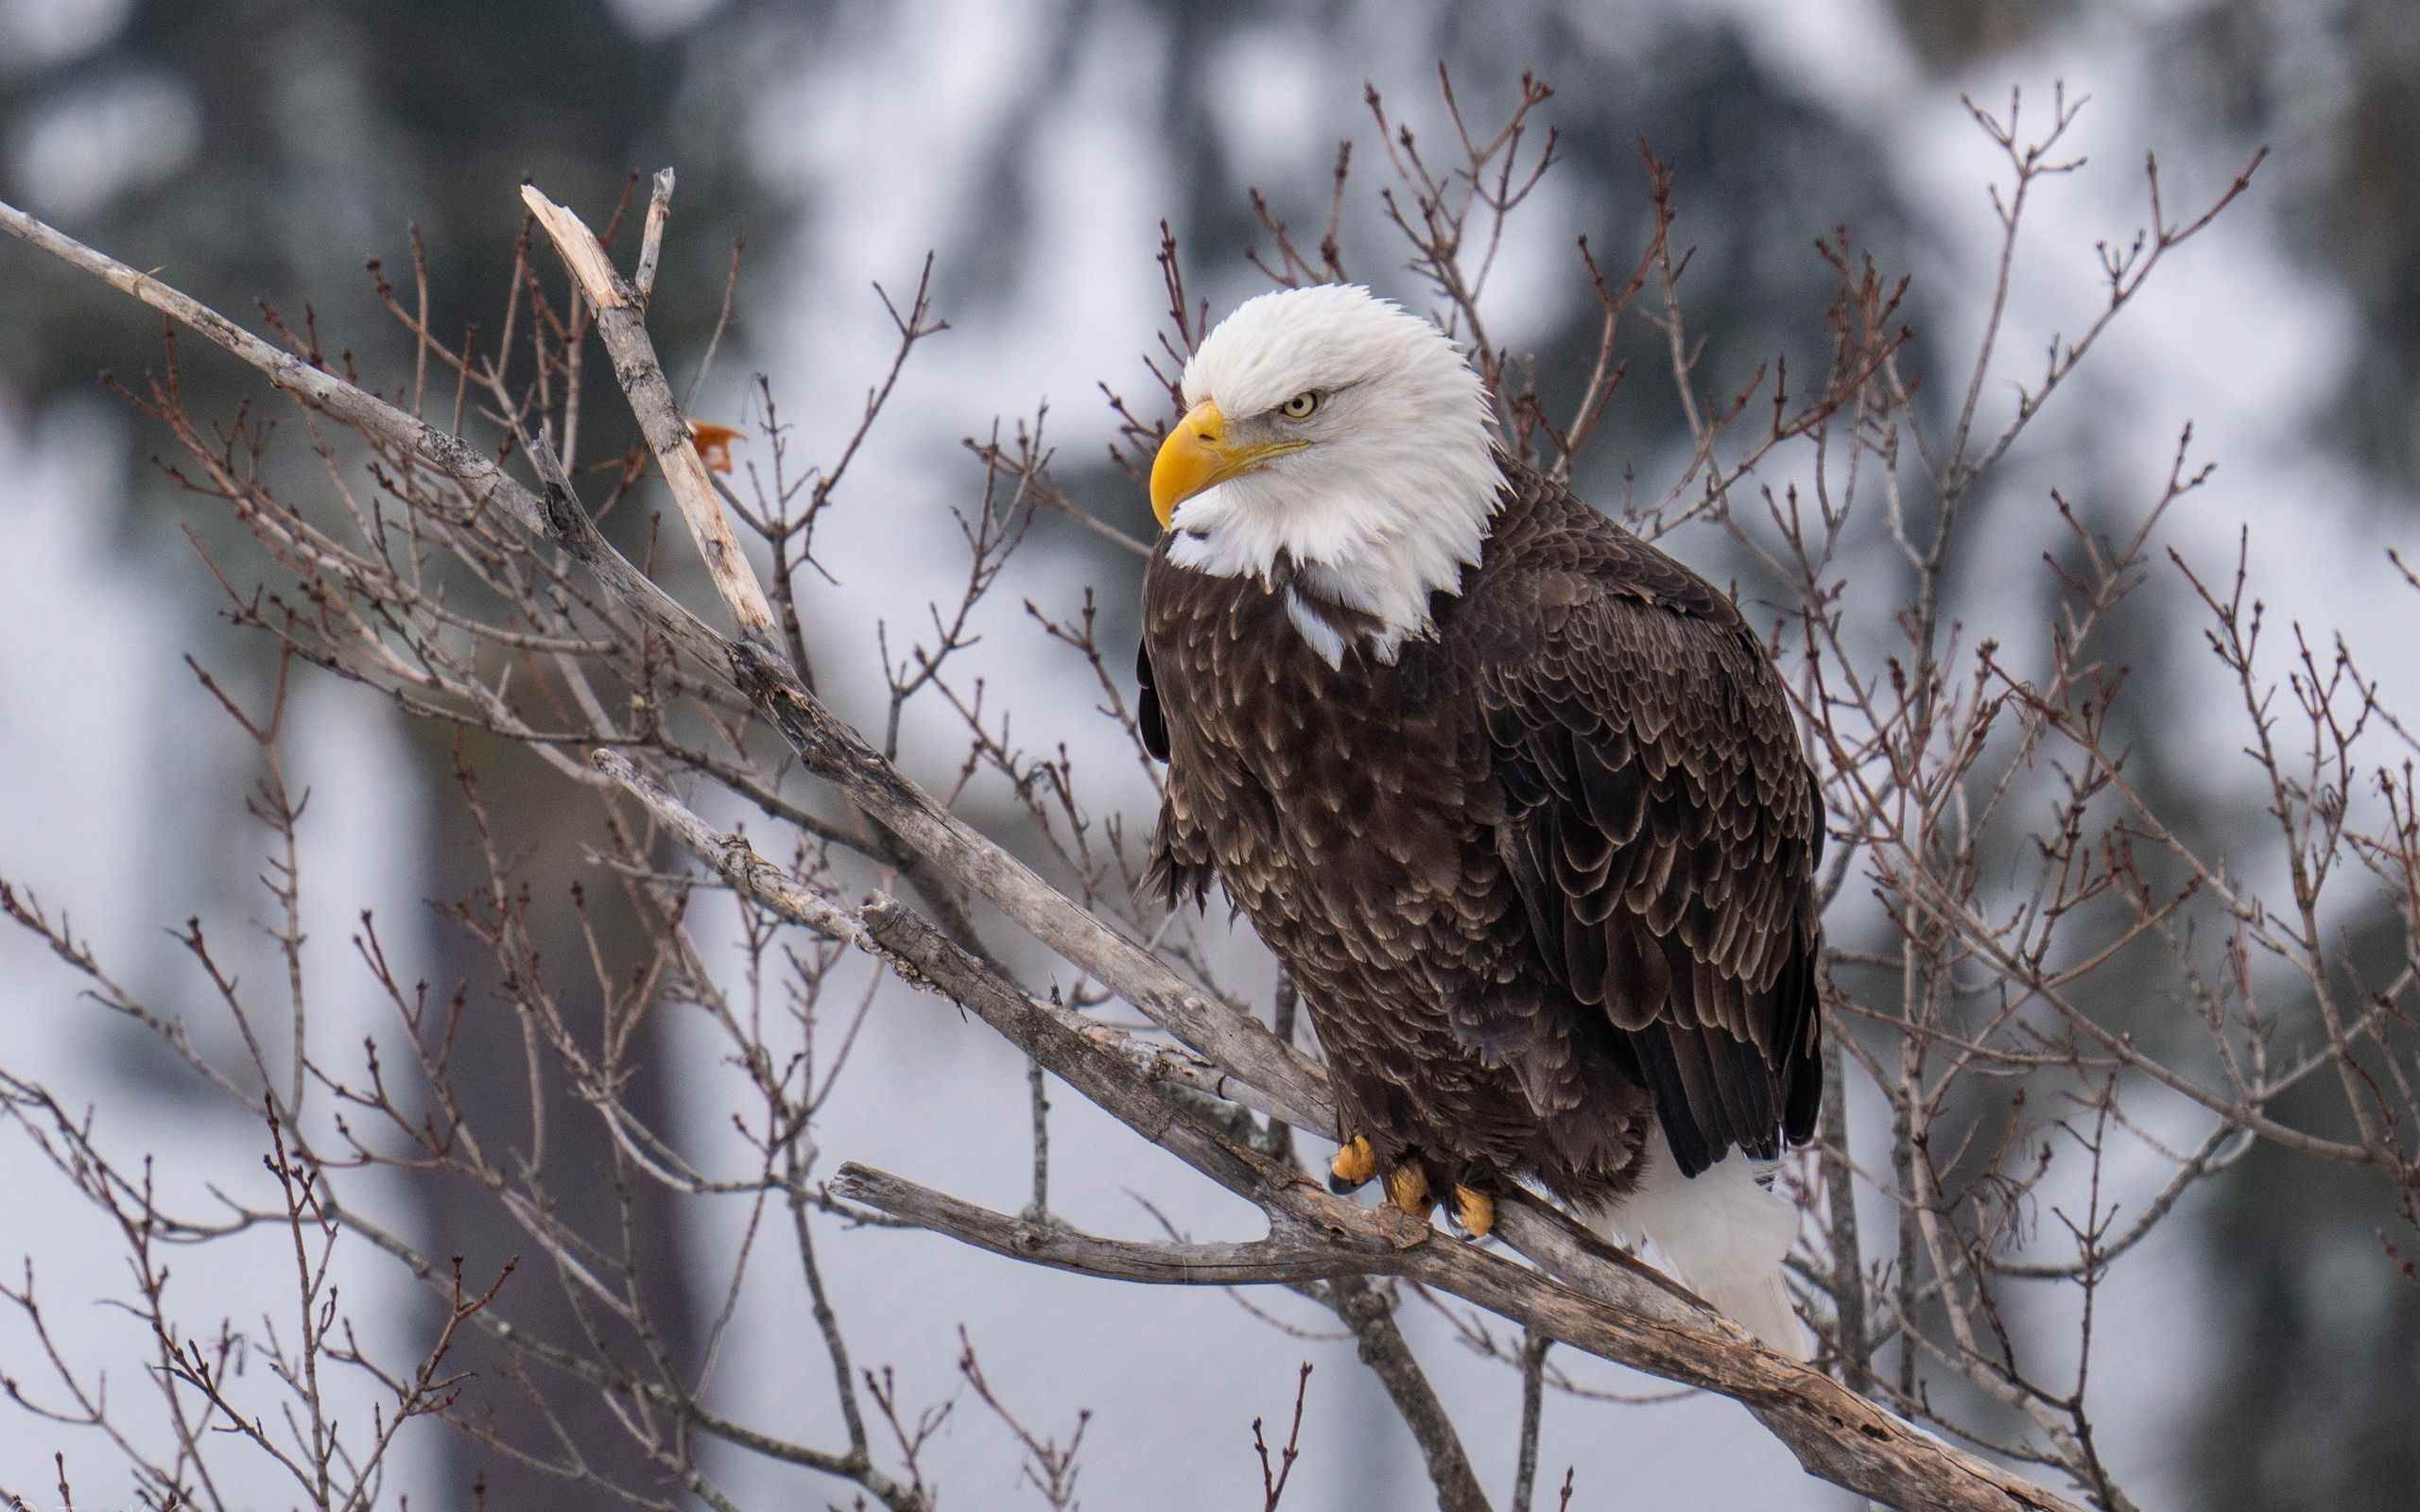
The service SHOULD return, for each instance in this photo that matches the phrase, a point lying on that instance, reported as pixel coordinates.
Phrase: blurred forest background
(263, 150)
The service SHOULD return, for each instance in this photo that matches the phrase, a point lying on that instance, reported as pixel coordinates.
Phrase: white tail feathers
(1721, 1235)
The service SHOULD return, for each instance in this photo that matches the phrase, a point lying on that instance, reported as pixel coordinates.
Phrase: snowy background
(265, 149)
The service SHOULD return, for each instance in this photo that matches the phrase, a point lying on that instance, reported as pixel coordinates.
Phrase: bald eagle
(1516, 798)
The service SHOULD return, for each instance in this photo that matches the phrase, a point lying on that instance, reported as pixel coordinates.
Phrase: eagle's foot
(1407, 1188)
(1353, 1167)
(1473, 1211)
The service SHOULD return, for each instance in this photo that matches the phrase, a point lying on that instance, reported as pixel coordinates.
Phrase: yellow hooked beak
(1195, 456)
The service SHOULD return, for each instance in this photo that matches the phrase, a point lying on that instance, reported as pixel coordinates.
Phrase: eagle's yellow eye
(1302, 405)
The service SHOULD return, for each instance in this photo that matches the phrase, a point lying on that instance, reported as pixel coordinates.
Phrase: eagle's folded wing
(1662, 831)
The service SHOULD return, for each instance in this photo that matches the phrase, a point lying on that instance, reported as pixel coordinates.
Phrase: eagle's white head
(1334, 432)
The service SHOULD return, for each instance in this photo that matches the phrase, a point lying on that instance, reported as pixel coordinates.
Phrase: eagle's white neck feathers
(1394, 494)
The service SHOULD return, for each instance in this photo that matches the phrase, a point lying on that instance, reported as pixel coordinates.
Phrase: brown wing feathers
(1661, 833)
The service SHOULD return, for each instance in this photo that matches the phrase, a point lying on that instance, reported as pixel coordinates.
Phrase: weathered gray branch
(1596, 1299)
(620, 321)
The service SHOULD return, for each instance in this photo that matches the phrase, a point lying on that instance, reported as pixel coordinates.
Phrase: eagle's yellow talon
(1407, 1188)
(1354, 1165)
(1474, 1210)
